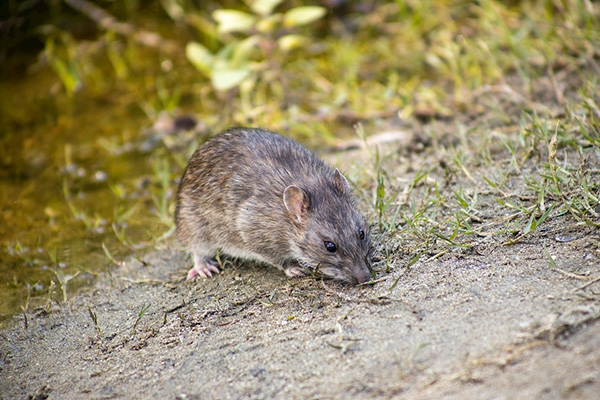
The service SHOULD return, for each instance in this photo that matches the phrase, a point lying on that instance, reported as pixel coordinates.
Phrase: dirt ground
(493, 325)
(492, 321)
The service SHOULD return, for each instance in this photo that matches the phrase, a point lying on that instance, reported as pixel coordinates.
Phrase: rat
(256, 195)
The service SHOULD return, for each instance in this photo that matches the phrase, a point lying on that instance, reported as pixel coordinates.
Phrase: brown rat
(256, 195)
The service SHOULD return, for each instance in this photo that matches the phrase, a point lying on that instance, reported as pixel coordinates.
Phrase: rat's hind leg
(204, 264)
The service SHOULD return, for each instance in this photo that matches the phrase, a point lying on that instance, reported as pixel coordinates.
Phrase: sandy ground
(488, 321)
(498, 323)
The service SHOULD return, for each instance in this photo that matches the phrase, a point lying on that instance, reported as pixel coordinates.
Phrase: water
(68, 185)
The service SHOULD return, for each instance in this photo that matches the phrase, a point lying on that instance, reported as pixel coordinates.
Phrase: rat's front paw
(203, 267)
(295, 271)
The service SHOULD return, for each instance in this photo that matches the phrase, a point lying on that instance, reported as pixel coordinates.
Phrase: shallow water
(64, 181)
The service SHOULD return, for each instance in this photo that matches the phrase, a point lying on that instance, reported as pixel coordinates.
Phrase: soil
(493, 320)
(499, 323)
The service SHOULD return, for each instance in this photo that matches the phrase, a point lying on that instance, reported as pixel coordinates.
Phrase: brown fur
(231, 197)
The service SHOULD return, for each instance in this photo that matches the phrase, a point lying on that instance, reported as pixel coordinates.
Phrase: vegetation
(503, 99)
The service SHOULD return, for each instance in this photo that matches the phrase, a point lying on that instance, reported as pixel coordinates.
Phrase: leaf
(527, 228)
(233, 21)
(226, 79)
(269, 24)
(200, 57)
(544, 215)
(489, 182)
(303, 15)
(381, 189)
(263, 7)
(291, 42)
(414, 260)
(241, 51)
(108, 255)
(175, 11)
(67, 75)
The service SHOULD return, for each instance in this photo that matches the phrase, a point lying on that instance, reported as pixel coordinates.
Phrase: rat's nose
(363, 275)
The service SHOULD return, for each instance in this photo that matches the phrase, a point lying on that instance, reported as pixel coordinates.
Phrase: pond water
(71, 191)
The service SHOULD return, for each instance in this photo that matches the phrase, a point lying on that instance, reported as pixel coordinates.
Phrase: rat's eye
(330, 246)
(361, 233)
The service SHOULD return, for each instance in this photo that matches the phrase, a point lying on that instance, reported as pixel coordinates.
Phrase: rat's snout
(362, 274)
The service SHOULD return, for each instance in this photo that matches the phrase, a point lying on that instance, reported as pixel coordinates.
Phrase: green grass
(432, 59)
(504, 98)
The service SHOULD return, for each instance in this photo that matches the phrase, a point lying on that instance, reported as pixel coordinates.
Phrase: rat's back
(232, 167)
(256, 195)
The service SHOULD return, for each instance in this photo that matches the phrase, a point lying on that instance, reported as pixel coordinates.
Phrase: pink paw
(203, 268)
(293, 272)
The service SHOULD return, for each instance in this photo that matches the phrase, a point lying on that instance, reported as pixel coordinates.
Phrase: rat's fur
(257, 195)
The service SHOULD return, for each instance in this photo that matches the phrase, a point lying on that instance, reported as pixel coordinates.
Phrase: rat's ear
(341, 183)
(296, 201)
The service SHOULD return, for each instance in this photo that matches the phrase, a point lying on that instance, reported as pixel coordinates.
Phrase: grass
(142, 312)
(504, 99)
(94, 318)
(540, 170)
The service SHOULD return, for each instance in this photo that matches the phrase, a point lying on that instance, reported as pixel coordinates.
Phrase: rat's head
(332, 236)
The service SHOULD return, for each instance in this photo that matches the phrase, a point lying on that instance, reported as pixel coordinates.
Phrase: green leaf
(381, 190)
(200, 57)
(226, 79)
(303, 15)
(414, 260)
(269, 24)
(263, 7)
(489, 182)
(291, 42)
(67, 75)
(527, 228)
(544, 215)
(108, 255)
(233, 21)
(242, 50)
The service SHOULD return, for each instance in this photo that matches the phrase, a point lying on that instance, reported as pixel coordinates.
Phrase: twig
(557, 92)
(438, 255)
(380, 301)
(403, 137)
(597, 279)
(110, 23)
(142, 281)
(515, 96)
(369, 283)
(349, 116)
(572, 275)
